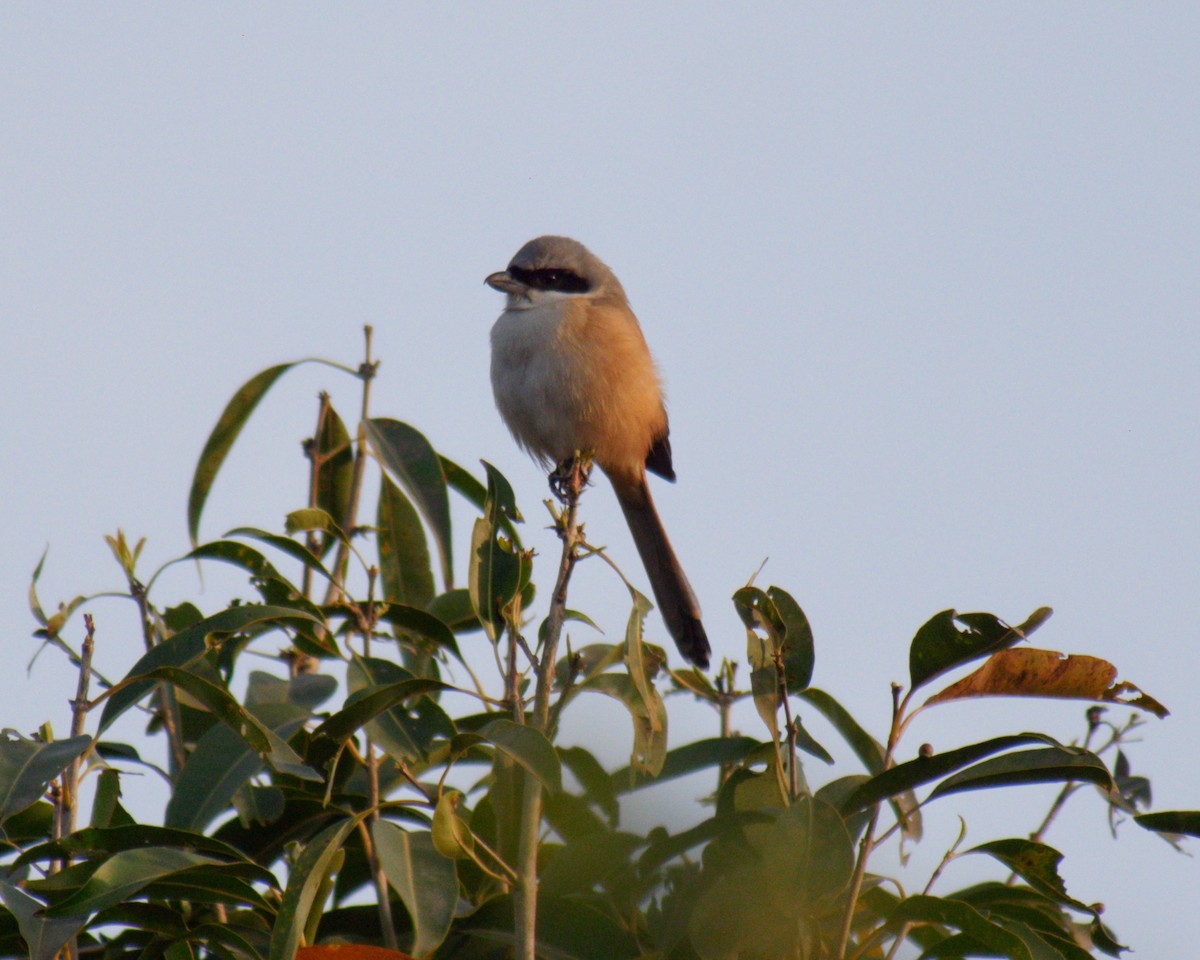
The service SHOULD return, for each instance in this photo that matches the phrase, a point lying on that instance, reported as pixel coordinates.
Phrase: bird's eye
(550, 278)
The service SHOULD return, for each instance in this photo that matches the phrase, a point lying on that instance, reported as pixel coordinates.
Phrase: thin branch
(525, 902)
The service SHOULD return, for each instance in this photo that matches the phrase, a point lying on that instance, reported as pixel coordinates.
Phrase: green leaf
(414, 464)
(294, 549)
(710, 753)
(868, 750)
(765, 904)
(476, 493)
(586, 861)
(1048, 765)
(305, 879)
(405, 573)
(798, 651)
(941, 644)
(960, 916)
(28, 766)
(402, 733)
(425, 881)
(411, 622)
(1034, 862)
(220, 441)
(314, 519)
(335, 473)
(599, 788)
(262, 739)
(222, 762)
(914, 773)
(44, 936)
(365, 706)
(649, 721)
(91, 842)
(566, 929)
(529, 748)
(494, 577)
(189, 645)
(1186, 822)
(123, 875)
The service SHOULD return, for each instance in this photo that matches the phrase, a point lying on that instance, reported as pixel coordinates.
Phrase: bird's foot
(568, 479)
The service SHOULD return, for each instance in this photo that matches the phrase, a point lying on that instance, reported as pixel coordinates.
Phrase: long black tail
(672, 592)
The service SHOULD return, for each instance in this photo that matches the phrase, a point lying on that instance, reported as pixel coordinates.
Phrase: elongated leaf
(710, 753)
(414, 464)
(123, 875)
(476, 493)
(335, 473)
(914, 773)
(454, 608)
(1046, 673)
(1047, 765)
(418, 624)
(261, 738)
(405, 573)
(366, 706)
(942, 644)
(220, 441)
(1036, 863)
(28, 766)
(1186, 822)
(868, 750)
(222, 762)
(494, 577)
(649, 721)
(44, 936)
(188, 646)
(304, 882)
(425, 881)
(294, 549)
(960, 916)
(91, 842)
(566, 929)
(402, 733)
(587, 861)
(798, 651)
(529, 748)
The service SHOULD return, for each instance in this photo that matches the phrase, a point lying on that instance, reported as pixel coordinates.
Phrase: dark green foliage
(373, 786)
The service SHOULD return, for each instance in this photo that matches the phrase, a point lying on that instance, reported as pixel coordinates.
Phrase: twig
(525, 902)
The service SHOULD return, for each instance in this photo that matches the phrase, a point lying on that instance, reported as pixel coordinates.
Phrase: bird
(572, 374)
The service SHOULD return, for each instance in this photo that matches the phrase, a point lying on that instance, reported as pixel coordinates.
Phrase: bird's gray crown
(560, 263)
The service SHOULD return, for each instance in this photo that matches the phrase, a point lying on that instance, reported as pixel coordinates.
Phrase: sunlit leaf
(424, 880)
(494, 577)
(414, 464)
(1046, 673)
(220, 441)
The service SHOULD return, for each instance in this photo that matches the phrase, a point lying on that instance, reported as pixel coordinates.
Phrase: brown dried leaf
(1025, 672)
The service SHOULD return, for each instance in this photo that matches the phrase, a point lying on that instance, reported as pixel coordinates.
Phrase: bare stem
(168, 706)
(525, 902)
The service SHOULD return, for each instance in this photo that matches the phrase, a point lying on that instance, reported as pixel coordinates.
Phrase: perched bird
(572, 373)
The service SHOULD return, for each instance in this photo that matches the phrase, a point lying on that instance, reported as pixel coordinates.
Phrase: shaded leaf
(1047, 673)
(566, 929)
(1036, 863)
(711, 753)
(1048, 765)
(868, 750)
(528, 747)
(189, 645)
(305, 880)
(494, 577)
(220, 441)
(923, 908)
(44, 936)
(28, 766)
(414, 464)
(123, 875)
(586, 861)
(424, 880)
(1185, 822)
(335, 471)
(476, 493)
(649, 721)
(914, 773)
(950, 639)
(404, 570)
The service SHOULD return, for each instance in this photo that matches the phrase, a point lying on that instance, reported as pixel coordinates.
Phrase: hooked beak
(502, 281)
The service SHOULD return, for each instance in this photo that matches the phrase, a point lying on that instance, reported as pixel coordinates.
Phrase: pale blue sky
(922, 281)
